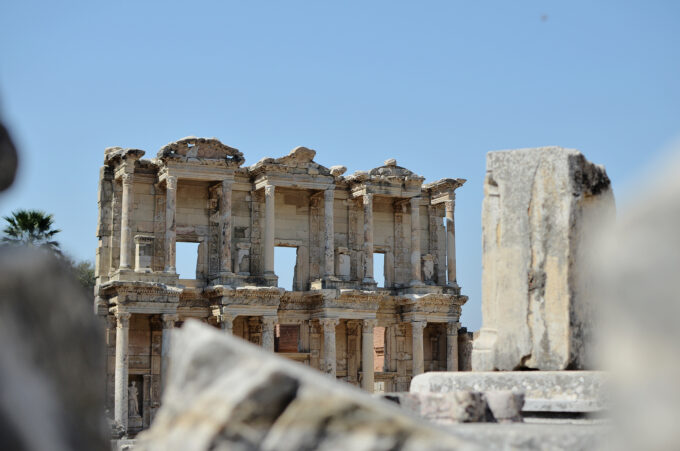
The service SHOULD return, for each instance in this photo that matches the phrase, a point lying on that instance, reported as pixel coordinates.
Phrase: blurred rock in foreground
(638, 272)
(51, 358)
(224, 393)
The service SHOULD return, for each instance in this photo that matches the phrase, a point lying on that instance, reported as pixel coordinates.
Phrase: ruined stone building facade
(335, 317)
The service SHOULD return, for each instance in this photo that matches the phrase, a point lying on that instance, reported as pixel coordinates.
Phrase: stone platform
(549, 392)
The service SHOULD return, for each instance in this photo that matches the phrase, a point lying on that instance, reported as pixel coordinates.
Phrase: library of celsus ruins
(335, 317)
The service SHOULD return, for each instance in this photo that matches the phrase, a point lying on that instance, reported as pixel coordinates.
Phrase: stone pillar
(452, 346)
(418, 358)
(329, 270)
(368, 238)
(367, 382)
(269, 229)
(227, 322)
(416, 278)
(120, 408)
(170, 227)
(225, 228)
(126, 222)
(450, 242)
(268, 323)
(329, 364)
(168, 325)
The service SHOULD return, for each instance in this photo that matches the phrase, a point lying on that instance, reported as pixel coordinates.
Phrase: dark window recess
(287, 336)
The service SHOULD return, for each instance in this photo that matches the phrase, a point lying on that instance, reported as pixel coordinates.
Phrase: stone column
(120, 408)
(126, 222)
(329, 257)
(418, 358)
(168, 326)
(329, 364)
(452, 346)
(268, 324)
(416, 278)
(170, 228)
(227, 322)
(269, 229)
(367, 382)
(368, 238)
(225, 228)
(450, 242)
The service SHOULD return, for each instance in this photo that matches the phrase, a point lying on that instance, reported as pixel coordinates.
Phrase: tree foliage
(31, 228)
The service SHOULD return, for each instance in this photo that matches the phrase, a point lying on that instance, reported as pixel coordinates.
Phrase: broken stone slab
(540, 215)
(544, 391)
(224, 393)
(449, 408)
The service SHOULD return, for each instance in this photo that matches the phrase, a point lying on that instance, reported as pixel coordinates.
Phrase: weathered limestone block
(226, 394)
(540, 213)
(505, 405)
(449, 408)
(544, 391)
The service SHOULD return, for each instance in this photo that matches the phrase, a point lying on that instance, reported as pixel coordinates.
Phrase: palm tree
(31, 228)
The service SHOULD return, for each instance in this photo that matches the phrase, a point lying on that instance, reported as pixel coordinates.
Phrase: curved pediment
(201, 150)
(389, 172)
(299, 160)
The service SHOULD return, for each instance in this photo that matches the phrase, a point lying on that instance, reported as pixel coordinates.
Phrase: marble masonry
(541, 215)
(375, 331)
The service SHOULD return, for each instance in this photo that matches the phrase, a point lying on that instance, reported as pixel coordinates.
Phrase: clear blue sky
(435, 85)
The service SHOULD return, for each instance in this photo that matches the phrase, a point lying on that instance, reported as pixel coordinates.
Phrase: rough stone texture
(505, 405)
(540, 213)
(544, 391)
(449, 408)
(534, 437)
(51, 359)
(226, 394)
(637, 269)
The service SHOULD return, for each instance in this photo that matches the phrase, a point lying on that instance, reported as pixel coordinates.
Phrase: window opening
(186, 260)
(284, 265)
(379, 269)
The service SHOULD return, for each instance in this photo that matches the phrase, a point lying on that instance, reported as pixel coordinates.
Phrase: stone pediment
(113, 155)
(299, 161)
(388, 173)
(202, 151)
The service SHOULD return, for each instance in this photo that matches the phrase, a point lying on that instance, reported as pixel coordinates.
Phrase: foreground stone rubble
(226, 394)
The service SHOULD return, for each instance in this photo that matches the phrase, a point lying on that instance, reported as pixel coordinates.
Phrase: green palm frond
(31, 228)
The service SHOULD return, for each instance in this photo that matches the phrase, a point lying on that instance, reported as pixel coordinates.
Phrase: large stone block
(224, 393)
(540, 213)
(544, 391)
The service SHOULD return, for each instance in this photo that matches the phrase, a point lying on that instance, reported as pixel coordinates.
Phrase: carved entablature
(296, 300)
(201, 151)
(438, 304)
(443, 190)
(146, 292)
(260, 296)
(388, 180)
(297, 169)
